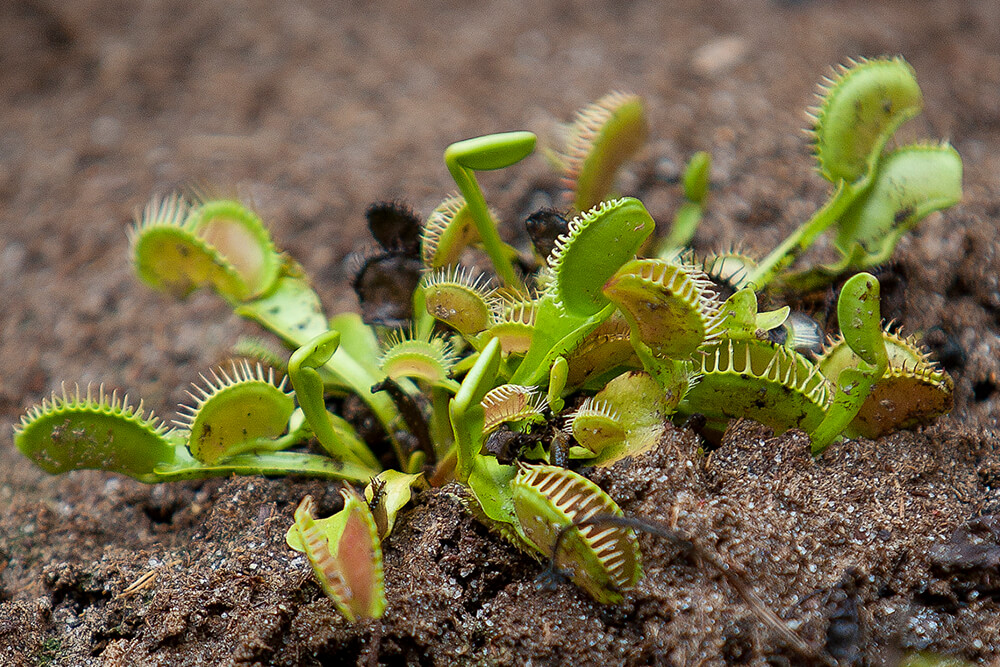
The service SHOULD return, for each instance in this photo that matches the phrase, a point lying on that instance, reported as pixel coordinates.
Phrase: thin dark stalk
(734, 574)
(411, 414)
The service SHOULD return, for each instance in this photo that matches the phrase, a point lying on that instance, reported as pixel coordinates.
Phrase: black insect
(544, 227)
(385, 286)
(507, 445)
(395, 226)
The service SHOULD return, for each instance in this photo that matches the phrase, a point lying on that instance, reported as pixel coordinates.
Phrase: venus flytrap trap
(601, 138)
(878, 196)
(579, 362)
(345, 553)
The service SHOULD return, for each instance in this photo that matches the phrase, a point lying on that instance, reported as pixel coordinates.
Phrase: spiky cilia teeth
(510, 403)
(514, 321)
(449, 229)
(603, 135)
(597, 244)
(95, 430)
(240, 372)
(903, 352)
(576, 225)
(728, 271)
(405, 355)
(235, 411)
(912, 391)
(257, 350)
(238, 234)
(169, 211)
(593, 407)
(596, 425)
(760, 380)
(860, 107)
(345, 555)
(453, 296)
(603, 559)
(671, 307)
(92, 400)
(178, 247)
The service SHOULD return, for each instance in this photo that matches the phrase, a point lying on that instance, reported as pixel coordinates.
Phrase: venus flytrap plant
(877, 197)
(597, 244)
(603, 136)
(234, 412)
(602, 560)
(625, 418)
(912, 182)
(92, 430)
(470, 382)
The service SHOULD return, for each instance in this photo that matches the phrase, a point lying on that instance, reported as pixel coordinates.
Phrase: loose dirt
(311, 110)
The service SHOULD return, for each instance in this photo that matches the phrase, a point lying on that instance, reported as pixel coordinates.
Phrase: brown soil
(313, 109)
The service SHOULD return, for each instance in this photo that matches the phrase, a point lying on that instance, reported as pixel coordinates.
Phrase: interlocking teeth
(512, 402)
(602, 558)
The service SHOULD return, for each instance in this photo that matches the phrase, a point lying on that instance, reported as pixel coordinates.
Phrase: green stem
(803, 237)
(494, 151)
(275, 463)
(682, 231)
(494, 247)
(466, 410)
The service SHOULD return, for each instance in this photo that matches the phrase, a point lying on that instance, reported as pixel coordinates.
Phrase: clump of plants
(573, 353)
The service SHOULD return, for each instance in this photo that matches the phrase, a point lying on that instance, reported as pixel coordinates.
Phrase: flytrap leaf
(239, 236)
(514, 326)
(74, 431)
(511, 403)
(236, 411)
(493, 151)
(729, 271)
(602, 560)
(912, 391)
(430, 360)
(670, 307)
(599, 242)
(861, 107)
(626, 418)
(604, 135)
(912, 182)
(454, 297)
(760, 380)
(860, 316)
(222, 244)
(449, 230)
(345, 554)
(602, 354)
